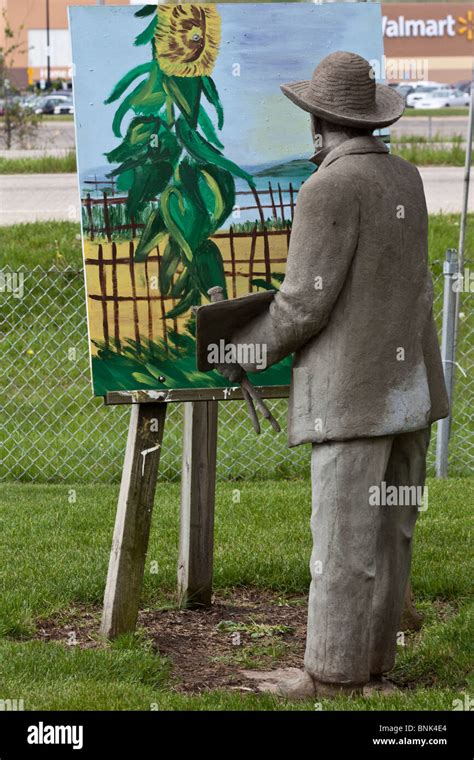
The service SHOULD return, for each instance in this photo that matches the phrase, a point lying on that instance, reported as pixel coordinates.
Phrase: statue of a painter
(355, 308)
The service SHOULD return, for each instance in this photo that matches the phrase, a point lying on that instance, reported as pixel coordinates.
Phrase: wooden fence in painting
(268, 203)
(111, 265)
(127, 303)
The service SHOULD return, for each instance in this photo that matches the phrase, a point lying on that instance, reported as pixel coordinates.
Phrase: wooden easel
(137, 492)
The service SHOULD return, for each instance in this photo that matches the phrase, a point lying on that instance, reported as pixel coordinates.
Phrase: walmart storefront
(435, 38)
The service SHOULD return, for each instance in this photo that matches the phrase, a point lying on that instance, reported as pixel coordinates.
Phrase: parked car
(29, 101)
(444, 98)
(66, 107)
(419, 91)
(405, 90)
(464, 86)
(47, 103)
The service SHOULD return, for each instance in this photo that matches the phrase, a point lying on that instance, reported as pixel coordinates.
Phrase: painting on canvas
(190, 160)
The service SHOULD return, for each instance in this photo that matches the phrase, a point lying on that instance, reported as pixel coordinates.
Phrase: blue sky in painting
(272, 43)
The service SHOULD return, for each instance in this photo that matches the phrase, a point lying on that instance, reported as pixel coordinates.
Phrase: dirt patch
(245, 629)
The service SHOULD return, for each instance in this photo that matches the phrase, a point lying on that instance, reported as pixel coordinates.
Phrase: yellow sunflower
(187, 39)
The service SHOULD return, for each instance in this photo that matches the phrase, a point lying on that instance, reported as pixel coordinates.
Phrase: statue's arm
(323, 241)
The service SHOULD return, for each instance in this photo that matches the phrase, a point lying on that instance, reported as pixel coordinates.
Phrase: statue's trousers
(362, 539)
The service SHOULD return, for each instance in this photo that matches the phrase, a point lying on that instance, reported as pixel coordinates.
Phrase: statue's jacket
(356, 304)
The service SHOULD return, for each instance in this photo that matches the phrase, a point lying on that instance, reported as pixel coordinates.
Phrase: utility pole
(48, 49)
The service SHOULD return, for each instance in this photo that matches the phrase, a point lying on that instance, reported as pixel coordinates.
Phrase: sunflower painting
(187, 39)
(188, 169)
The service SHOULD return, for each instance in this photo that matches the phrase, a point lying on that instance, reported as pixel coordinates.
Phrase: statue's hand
(232, 372)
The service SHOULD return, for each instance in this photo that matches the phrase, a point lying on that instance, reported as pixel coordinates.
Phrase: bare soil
(208, 648)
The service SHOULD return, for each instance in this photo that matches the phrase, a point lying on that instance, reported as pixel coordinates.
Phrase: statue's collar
(363, 144)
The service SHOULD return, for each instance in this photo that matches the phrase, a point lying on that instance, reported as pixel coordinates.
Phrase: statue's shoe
(291, 683)
(294, 683)
(379, 685)
(331, 690)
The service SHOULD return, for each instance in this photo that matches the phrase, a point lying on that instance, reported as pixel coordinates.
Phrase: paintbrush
(250, 393)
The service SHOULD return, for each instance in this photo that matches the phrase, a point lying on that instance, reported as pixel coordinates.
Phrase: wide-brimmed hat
(343, 90)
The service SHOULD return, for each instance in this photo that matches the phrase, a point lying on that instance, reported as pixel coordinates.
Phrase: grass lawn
(428, 154)
(436, 112)
(58, 243)
(43, 165)
(55, 556)
(62, 434)
(50, 119)
(43, 244)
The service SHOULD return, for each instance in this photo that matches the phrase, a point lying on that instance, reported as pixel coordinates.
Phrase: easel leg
(196, 544)
(132, 522)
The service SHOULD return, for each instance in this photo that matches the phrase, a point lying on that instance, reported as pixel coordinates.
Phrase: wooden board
(192, 394)
(132, 523)
(198, 480)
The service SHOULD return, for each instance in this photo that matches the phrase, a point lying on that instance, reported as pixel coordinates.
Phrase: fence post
(450, 269)
(108, 228)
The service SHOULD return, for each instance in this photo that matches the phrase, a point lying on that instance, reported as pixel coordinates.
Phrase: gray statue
(367, 380)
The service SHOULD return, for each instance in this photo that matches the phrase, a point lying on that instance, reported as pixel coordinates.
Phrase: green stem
(169, 111)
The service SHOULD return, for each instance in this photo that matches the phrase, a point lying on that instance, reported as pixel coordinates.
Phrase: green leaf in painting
(173, 210)
(192, 299)
(185, 93)
(167, 147)
(154, 231)
(130, 163)
(204, 152)
(149, 105)
(210, 91)
(258, 283)
(140, 377)
(153, 370)
(209, 267)
(124, 106)
(188, 174)
(125, 180)
(152, 96)
(208, 128)
(147, 34)
(127, 80)
(140, 131)
(217, 186)
(168, 265)
(125, 152)
(148, 182)
(185, 215)
(147, 10)
(135, 193)
(180, 286)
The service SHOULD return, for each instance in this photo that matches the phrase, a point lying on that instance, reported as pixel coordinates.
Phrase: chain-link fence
(52, 429)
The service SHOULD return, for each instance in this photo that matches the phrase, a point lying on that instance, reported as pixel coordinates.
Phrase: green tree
(19, 124)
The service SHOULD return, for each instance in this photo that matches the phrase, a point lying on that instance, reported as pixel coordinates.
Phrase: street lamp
(48, 52)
